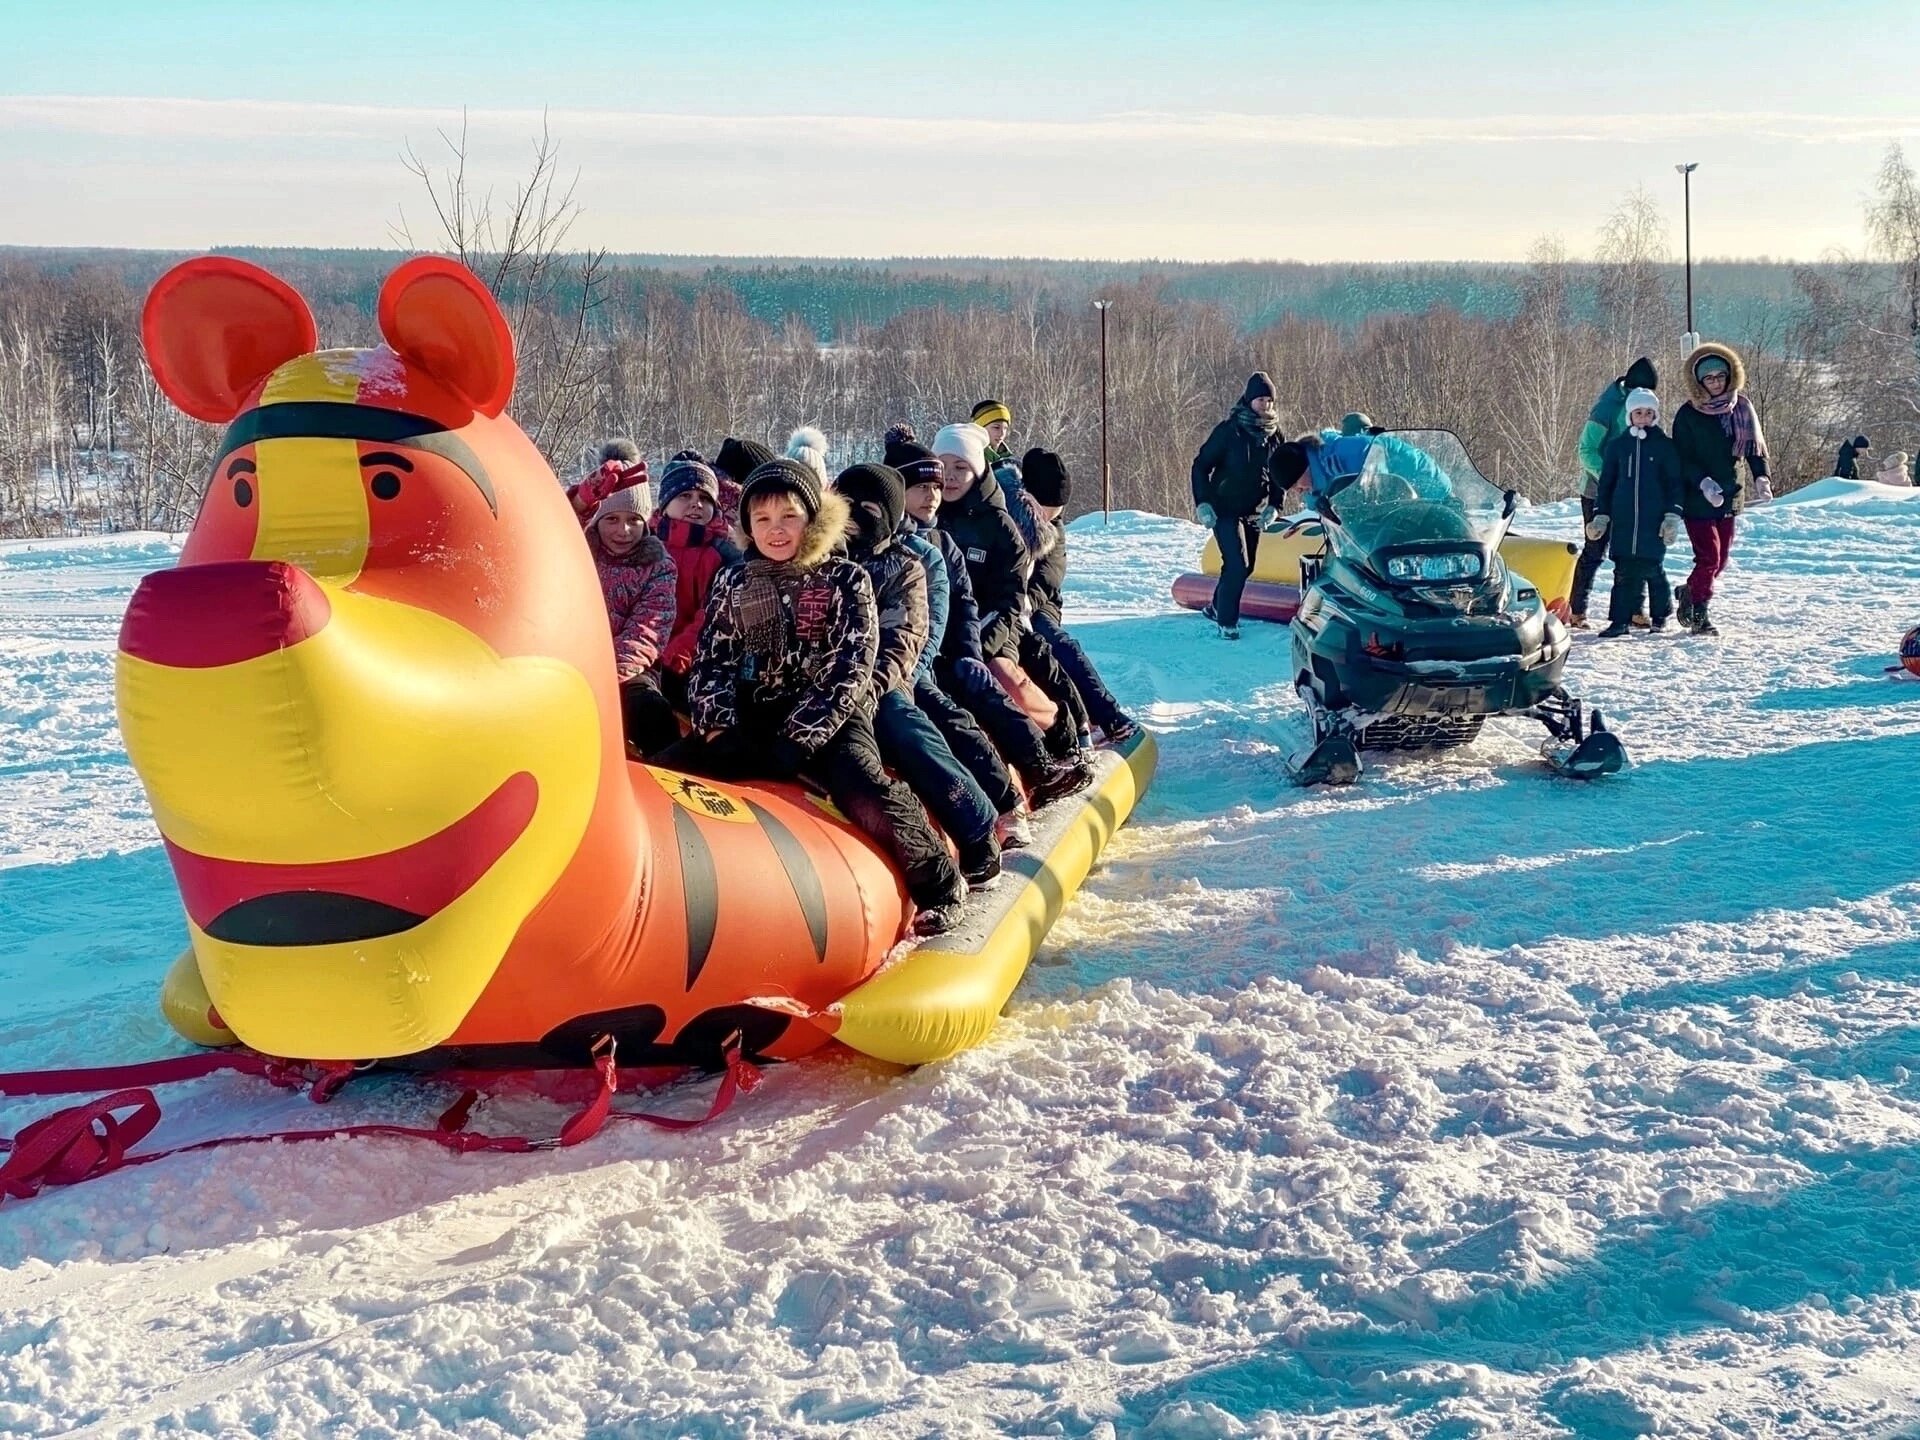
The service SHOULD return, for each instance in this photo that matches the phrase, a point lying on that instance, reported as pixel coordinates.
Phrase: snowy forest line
(678, 352)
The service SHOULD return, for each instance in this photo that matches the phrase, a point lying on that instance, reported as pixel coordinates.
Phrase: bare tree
(1635, 300)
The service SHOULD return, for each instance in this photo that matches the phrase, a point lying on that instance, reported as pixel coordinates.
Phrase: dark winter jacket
(1706, 450)
(925, 548)
(996, 559)
(900, 596)
(1607, 420)
(700, 552)
(1847, 464)
(1049, 576)
(788, 648)
(638, 588)
(1233, 471)
(959, 639)
(1639, 487)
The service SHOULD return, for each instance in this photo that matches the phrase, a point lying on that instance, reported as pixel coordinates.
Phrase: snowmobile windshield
(1419, 512)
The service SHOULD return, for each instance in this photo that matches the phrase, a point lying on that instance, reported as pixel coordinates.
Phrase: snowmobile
(1412, 630)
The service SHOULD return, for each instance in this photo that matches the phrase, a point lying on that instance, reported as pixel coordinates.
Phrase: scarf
(1257, 427)
(1739, 422)
(766, 593)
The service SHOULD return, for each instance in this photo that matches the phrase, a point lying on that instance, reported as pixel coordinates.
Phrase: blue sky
(1399, 129)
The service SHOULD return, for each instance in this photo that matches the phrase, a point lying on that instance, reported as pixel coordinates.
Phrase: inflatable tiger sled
(374, 708)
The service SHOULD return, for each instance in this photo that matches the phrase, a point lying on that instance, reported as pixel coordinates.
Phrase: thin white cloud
(181, 119)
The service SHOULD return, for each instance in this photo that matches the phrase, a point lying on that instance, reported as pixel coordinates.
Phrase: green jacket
(1606, 422)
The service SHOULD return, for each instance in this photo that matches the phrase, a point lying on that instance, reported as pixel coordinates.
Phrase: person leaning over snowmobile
(1714, 430)
(1637, 508)
(1606, 422)
(1232, 480)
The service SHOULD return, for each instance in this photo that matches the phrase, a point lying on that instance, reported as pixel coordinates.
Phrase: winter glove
(787, 756)
(1597, 527)
(1716, 497)
(1204, 514)
(611, 476)
(1670, 530)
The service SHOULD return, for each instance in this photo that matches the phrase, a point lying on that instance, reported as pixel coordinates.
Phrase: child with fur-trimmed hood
(637, 582)
(782, 681)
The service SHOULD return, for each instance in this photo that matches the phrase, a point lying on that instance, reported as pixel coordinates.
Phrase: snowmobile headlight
(1430, 568)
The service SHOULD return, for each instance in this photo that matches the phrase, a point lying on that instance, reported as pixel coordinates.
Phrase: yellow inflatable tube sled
(1546, 564)
(375, 711)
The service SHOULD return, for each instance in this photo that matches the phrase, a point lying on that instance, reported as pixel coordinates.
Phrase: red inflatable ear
(436, 314)
(215, 327)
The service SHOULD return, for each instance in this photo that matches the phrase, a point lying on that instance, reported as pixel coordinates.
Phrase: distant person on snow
(1893, 470)
(782, 685)
(1715, 430)
(1637, 507)
(1847, 464)
(1232, 481)
(1606, 422)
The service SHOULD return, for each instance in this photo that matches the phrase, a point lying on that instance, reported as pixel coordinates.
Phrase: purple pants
(1712, 546)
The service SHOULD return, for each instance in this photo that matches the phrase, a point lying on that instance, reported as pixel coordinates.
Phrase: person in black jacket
(1847, 464)
(1715, 430)
(1636, 505)
(1232, 481)
(1048, 485)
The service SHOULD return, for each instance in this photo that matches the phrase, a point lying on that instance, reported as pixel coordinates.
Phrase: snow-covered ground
(1464, 1102)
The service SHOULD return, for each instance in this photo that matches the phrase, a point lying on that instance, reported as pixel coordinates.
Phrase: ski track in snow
(1464, 1102)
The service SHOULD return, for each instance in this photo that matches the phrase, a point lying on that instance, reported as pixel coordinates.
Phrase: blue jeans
(1013, 733)
(916, 751)
(1102, 708)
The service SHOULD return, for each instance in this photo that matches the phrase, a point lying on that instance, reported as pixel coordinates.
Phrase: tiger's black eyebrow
(387, 457)
(243, 466)
(331, 420)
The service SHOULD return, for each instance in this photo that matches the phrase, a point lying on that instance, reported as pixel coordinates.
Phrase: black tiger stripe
(337, 420)
(700, 884)
(801, 875)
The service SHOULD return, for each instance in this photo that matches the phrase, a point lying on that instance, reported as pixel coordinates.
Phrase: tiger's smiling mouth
(338, 902)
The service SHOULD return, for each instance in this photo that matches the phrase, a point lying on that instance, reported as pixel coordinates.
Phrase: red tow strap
(92, 1139)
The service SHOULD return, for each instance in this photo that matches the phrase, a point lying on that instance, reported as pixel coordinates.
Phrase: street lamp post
(1106, 471)
(1691, 340)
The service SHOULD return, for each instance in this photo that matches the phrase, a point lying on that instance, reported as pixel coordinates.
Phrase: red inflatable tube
(1261, 600)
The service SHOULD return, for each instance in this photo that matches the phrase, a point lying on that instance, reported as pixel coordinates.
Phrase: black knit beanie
(680, 476)
(882, 484)
(1289, 463)
(1045, 476)
(1257, 385)
(740, 458)
(915, 462)
(779, 476)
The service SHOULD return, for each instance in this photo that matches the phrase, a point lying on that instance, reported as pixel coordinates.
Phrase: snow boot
(1701, 624)
(1616, 630)
(1577, 620)
(1661, 624)
(938, 919)
(1061, 781)
(1229, 632)
(1014, 830)
(1642, 621)
(1683, 605)
(980, 862)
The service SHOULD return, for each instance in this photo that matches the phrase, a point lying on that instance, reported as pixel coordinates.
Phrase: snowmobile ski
(1333, 760)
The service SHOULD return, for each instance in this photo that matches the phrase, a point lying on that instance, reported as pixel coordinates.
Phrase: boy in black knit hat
(1049, 485)
(782, 683)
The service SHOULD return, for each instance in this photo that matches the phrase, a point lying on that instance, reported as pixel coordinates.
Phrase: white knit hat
(1642, 400)
(634, 500)
(966, 440)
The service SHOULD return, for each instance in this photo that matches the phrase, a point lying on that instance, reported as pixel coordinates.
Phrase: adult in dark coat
(1232, 481)
(1847, 464)
(1715, 430)
(1636, 506)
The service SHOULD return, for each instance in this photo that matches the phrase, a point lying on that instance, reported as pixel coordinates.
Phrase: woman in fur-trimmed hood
(1715, 430)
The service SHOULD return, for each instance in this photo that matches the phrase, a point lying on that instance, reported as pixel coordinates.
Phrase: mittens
(1597, 527)
(1762, 490)
(1204, 514)
(1710, 488)
(1670, 530)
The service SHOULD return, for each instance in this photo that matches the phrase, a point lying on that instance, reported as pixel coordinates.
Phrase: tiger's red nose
(200, 616)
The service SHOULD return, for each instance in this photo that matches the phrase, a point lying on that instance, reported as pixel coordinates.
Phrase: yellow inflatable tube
(1546, 564)
(946, 994)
